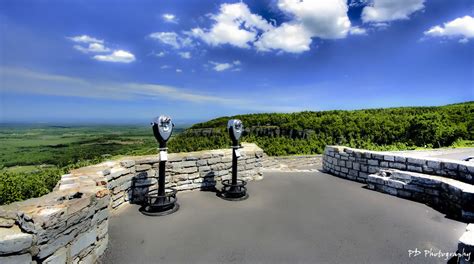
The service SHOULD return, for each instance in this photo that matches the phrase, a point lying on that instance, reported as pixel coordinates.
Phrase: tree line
(377, 129)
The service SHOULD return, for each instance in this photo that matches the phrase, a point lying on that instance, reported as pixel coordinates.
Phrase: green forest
(308, 132)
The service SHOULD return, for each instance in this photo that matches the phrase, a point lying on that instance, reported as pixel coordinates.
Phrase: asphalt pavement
(290, 217)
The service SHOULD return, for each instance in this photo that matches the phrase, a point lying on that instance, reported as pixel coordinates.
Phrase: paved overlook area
(290, 217)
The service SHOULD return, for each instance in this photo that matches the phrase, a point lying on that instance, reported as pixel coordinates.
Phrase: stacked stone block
(447, 195)
(357, 164)
(68, 225)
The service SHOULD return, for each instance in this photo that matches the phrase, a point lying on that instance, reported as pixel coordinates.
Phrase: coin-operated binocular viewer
(234, 189)
(163, 202)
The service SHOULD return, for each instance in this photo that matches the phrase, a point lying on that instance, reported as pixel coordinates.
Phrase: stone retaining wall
(357, 164)
(70, 224)
(449, 196)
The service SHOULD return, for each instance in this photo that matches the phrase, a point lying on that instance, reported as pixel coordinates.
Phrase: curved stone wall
(447, 185)
(357, 164)
(70, 224)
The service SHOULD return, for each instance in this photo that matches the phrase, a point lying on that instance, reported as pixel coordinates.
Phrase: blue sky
(128, 61)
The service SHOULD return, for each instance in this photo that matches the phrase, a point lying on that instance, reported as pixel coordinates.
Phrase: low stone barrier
(357, 164)
(70, 224)
(447, 195)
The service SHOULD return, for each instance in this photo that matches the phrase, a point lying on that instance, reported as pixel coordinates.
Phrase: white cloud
(85, 39)
(234, 25)
(237, 26)
(323, 19)
(390, 10)
(27, 81)
(287, 37)
(462, 27)
(357, 31)
(165, 67)
(160, 54)
(117, 56)
(185, 55)
(92, 48)
(172, 39)
(170, 18)
(97, 46)
(218, 66)
(179, 70)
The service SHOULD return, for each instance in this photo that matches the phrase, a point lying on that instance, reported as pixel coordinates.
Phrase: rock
(101, 246)
(16, 259)
(127, 163)
(373, 162)
(59, 257)
(416, 161)
(6, 222)
(102, 229)
(142, 167)
(201, 163)
(13, 240)
(50, 247)
(100, 216)
(83, 241)
(89, 259)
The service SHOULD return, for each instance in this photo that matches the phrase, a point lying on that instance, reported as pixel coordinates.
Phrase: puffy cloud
(462, 27)
(172, 39)
(179, 70)
(85, 39)
(117, 56)
(237, 26)
(287, 37)
(390, 10)
(92, 48)
(234, 25)
(323, 19)
(225, 66)
(170, 18)
(185, 55)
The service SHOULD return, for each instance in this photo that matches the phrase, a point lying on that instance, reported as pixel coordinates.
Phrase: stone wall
(449, 196)
(70, 224)
(357, 164)
(67, 225)
(185, 171)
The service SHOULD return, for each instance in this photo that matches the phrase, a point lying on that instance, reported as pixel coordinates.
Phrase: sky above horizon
(128, 61)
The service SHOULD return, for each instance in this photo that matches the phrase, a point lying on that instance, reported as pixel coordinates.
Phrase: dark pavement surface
(454, 154)
(297, 217)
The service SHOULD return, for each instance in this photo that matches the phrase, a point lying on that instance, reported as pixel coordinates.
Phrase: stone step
(445, 194)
